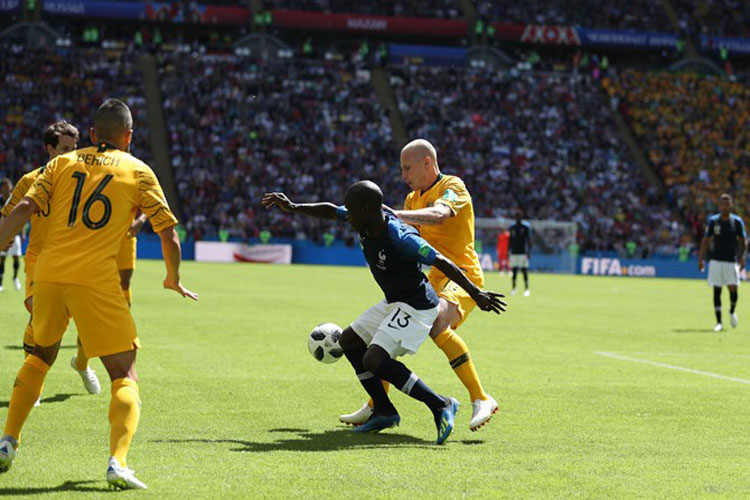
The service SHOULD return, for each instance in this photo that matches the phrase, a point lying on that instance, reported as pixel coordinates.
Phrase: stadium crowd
(544, 143)
(696, 132)
(42, 86)
(714, 17)
(237, 128)
(643, 15)
(445, 9)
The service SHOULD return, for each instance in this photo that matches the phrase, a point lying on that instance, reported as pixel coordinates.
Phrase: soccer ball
(324, 343)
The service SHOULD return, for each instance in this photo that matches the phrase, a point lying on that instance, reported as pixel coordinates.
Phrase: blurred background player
(503, 266)
(520, 249)
(59, 138)
(441, 208)
(15, 250)
(399, 324)
(92, 194)
(724, 242)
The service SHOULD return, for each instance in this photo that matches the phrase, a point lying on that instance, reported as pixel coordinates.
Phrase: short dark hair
(726, 196)
(112, 119)
(6, 181)
(58, 129)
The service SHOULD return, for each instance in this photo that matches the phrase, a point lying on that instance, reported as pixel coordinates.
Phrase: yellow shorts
(126, 255)
(28, 269)
(450, 291)
(102, 317)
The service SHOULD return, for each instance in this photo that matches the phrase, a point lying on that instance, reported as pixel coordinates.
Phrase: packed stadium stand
(446, 9)
(238, 127)
(714, 17)
(44, 85)
(695, 130)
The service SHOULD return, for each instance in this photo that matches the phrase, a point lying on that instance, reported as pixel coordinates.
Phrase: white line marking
(689, 354)
(672, 367)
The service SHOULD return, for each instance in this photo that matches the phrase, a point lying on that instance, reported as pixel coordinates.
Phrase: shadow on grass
(74, 486)
(15, 347)
(330, 440)
(693, 330)
(57, 398)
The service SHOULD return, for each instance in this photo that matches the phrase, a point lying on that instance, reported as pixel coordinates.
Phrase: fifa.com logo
(612, 267)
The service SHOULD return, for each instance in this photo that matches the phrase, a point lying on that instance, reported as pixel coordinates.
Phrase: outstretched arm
(742, 248)
(170, 247)
(14, 222)
(322, 210)
(487, 301)
(430, 216)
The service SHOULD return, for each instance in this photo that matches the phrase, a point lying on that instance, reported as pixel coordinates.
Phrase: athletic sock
(2, 269)
(732, 301)
(400, 376)
(386, 388)
(717, 303)
(514, 272)
(82, 362)
(28, 341)
(525, 278)
(457, 352)
(26, 390)
(124, 413)
(374, 387)
(16, 265)
(128, 296)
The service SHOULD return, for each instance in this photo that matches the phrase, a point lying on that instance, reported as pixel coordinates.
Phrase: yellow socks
(28, 341)
(124, 413)
(81, 360)
(26, 390)
(457, 353)
(128, 296)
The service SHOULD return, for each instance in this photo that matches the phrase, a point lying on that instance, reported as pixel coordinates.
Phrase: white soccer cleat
(38, 402)
(526, 293)
(16, 284)
(513, 292)
(733, 320)
(88, 376)
(8, 447)
(357, 418)
(122, 478)
(2, 289)
(482, 411)
(718, 327)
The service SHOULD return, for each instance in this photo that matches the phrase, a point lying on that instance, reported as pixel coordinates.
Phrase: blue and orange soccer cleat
(377, 423)
(444, 420)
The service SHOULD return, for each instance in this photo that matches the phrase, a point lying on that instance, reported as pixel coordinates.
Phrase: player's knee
(374, 356)
(48, 354)
(349, 340)
(29, 304)
(448, 315)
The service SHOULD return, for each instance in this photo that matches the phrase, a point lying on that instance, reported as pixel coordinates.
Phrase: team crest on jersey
(424, 250)
(381, 260)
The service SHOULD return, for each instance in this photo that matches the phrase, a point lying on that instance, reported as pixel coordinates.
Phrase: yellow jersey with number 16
(93, 194)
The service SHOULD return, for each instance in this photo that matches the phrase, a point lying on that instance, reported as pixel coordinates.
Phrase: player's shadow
(693, 330)
(15, 347)
(57, 398)
(330, 440)
(74, 486)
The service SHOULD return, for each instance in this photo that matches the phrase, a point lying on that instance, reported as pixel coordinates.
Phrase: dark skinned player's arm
(322, 210)
(486, 301)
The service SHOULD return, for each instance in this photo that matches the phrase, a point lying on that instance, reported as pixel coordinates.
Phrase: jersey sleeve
(152, 202)
(742, 231)
(416, 247)
(455, 196)
(342, 213)
(42, 188)
(22, 187)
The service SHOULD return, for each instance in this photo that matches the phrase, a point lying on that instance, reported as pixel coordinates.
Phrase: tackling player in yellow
(440, 207)
(59, 138)
(93, 195)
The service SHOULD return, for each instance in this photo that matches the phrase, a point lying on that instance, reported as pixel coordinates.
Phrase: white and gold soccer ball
(324, 343)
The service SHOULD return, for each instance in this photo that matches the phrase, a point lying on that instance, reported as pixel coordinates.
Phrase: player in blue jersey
(725, 244)
(520, 249)
(399, 324)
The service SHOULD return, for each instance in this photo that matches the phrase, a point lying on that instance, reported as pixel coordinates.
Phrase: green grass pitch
(235, 407)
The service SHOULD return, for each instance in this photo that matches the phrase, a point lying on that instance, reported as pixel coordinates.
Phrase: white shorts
(15, 248)
(721, 273)
(518, 260)
(396, 327)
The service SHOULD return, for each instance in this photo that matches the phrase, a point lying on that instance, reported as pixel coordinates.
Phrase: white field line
(672, 367)
(689, 354)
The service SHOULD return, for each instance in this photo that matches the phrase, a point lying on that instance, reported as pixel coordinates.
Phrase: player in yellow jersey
(92, 194)
(59, 138)
(440, 207)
